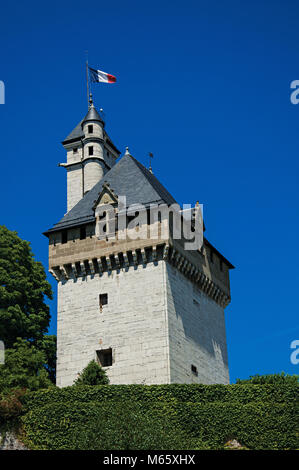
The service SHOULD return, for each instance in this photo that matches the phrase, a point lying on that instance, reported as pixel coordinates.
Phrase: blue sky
(203, 85)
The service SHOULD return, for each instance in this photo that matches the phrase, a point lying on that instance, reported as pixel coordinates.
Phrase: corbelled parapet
(93, 256)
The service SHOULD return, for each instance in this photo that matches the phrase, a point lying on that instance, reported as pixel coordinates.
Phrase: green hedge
(107, 426)
(256, 425)
(192, 393)
(202, 416)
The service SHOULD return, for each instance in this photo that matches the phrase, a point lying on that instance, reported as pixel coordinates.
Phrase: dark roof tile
(127, 178)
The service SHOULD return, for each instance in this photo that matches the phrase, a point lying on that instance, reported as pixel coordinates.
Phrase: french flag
(97, 76)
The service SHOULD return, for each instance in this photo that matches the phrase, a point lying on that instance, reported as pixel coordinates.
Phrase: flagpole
(87, 84)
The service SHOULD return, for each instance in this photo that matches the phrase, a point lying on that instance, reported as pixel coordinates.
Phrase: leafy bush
(93, 374)
(24, 368)
(10, 405)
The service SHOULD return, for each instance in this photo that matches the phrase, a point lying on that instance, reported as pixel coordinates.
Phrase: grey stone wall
(157, 322)
(74, 185)
(9, 441)
(196, 333)
(133, 324)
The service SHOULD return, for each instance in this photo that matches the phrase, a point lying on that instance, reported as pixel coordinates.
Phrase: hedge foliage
(191, 393)
(162, 417)
(99, 426)
(256, 425)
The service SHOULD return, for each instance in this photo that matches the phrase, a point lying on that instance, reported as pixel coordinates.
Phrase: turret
(90, 154)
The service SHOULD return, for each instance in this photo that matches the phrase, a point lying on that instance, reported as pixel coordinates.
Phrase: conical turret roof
(92, 115)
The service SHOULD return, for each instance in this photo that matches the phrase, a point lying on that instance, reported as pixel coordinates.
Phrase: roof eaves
(231, 266)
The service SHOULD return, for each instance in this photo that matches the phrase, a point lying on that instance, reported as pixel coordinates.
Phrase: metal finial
(90, 100)
(151, 155)
(127, 151)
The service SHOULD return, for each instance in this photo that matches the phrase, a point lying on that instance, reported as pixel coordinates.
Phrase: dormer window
(90, 150)
(90, 129)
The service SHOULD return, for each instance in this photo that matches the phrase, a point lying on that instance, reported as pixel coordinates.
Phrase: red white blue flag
(97, 76)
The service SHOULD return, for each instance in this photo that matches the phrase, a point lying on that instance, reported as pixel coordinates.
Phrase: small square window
(75, 150)
(90, 150)
(105, 357)
(103, 298)
(90, 129)
(194, 369)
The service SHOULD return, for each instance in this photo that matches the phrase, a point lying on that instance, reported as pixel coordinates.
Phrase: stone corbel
(203, 280)
(184, 266)
(100, 265)
(108, 261)
(82, 266)
(91, 266)
(135, 257)
(210, 287)
(180, 263)
(173, 255)
(51, 271)
(154, 253)
(64, 272)
(143, 254)
(126, 260)
(192, 271)
(177, 259)
(74, 269)
(117, 262)
(165, 252)
(217, 294)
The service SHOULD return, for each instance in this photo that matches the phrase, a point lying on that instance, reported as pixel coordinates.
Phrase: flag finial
(90, 100)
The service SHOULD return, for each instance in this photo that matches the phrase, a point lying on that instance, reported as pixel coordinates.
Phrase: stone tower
(148, 310)
(90, 154)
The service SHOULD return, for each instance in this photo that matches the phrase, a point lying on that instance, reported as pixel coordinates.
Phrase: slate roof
(76, 133)
(127, 177)
(92, 115)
